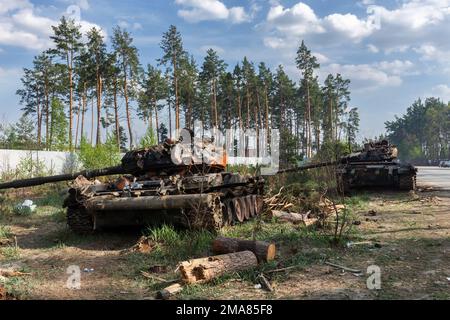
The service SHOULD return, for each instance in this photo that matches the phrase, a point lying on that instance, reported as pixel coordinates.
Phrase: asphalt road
(434, 176)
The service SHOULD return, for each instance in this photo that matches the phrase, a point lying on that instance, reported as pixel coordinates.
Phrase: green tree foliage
(173, 58)
(58, 132)
(128, 65)
(95, 79)
(67, 39)
(99, 156)
(423, 133)
(149, 139)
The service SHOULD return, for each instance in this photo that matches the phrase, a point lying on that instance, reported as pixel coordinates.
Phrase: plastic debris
(88, 270)
(26, 208)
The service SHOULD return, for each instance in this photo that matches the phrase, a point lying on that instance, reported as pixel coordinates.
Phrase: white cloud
(218, 49)
(22, 25)
(321, 58)
(349, 26)
(202, 10)
(83, 4)
(397, 67)
(298, 20)
(8, 5)
(410, 24)
(364, 77)
(431, 53)
(442, 91)
(372, 48)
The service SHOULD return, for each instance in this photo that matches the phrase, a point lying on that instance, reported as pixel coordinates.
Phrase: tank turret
(173, 182)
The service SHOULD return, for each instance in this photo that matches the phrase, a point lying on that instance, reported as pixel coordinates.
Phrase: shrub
(100, 156)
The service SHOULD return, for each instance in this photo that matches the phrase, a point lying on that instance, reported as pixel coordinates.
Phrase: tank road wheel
(251, 203)
(239, 209)
(407, 183)
(259, 205)
(246, 207)
(227, 212)
(80, 220)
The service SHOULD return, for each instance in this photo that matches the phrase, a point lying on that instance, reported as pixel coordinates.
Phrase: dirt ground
(407, 236)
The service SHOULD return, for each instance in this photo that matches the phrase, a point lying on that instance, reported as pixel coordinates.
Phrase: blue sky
(393, 51)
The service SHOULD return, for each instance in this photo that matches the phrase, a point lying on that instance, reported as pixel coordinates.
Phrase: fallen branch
(282, 269)
(11, 273)
(295, 218)
(153, 277)
(342, 267)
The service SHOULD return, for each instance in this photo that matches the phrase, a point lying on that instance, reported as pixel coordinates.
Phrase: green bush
(149, 139)
(100, 156)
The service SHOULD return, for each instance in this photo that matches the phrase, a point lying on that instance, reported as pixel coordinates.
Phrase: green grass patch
(10, 252)
(5, 232)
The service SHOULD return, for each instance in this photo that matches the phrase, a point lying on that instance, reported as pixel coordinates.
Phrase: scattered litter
(26, 208)
(264, 283)
(158, 269)
(88, 270)
(258, 286)
(144, 245)
(371, 213)
(448, 279)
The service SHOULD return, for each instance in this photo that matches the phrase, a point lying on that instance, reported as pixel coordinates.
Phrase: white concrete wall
(53, 160)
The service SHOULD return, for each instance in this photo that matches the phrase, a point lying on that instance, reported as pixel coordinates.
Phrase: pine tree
(128, 62)
(67, 39)
(96, 51)
(172, 46)
(307, 63)
(212, 69)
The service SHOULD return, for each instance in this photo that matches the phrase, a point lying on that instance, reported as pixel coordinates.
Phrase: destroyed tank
(194, 191)
(377, 165)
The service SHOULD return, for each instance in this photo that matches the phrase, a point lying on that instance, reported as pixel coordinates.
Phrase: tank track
(407, 182)
(79, 220)
(224, 212)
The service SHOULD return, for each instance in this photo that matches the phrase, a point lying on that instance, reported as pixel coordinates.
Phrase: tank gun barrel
(16, 184)
(310, 166)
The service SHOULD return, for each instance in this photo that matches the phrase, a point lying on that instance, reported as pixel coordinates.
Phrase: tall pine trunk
(83, 111)
(69, 62)
(99, 106)
(116, 114)
(127, 106)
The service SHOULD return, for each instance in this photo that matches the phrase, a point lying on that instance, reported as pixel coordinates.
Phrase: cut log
(205, 269)
(166, 293)
(295, 218)
(264, 251)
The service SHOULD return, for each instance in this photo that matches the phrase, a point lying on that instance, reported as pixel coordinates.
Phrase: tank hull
(388, 175)
(199, 202)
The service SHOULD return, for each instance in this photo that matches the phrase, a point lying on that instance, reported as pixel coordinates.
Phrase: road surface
(434, 176)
